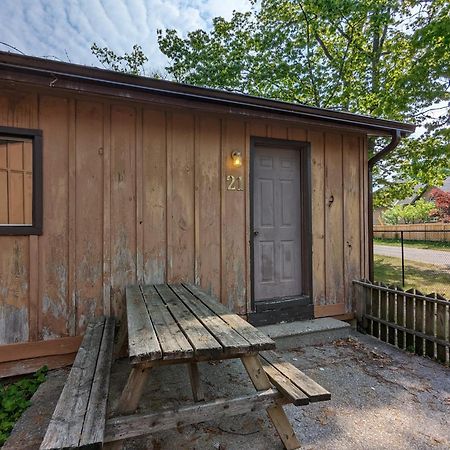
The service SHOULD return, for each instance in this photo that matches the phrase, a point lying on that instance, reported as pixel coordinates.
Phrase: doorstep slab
(307, 332)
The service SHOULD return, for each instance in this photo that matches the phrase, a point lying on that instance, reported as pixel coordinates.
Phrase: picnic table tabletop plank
(203, 342)
(231, 341)
(173, 342)
(257, 339)
(142, 339)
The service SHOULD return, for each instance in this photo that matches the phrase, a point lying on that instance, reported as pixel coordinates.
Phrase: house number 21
(234, 183)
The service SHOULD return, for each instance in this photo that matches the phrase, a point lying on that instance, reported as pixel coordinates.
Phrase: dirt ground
(382, 398)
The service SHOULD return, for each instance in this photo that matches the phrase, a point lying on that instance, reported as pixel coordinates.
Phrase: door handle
(255, 233)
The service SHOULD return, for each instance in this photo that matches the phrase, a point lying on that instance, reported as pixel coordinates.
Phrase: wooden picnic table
(182, 324)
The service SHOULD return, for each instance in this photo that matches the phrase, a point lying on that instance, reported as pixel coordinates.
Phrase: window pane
(16, 186)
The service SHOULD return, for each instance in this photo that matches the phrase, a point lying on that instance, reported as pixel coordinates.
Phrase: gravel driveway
(436, 257)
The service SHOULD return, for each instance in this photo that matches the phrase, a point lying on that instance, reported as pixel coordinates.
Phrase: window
(20, 181)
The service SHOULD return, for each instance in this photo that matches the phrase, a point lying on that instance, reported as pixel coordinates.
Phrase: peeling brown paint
(13, 324)
(90, 307)
(154, 271)
(57, 309)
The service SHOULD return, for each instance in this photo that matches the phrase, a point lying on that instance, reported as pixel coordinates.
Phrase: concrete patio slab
(307, 332)
(381, 398)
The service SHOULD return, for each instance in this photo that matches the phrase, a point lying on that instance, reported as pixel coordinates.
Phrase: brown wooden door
(276, 230)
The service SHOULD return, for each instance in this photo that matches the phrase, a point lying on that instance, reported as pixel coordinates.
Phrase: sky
(66, 29)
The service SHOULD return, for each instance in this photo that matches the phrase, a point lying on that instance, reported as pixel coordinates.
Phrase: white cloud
(67, 28)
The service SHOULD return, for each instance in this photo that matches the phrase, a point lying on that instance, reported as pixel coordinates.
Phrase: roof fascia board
(97, 77)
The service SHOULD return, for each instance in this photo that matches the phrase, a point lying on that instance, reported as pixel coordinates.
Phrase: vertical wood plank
(89, 212)
(33, 304)
(233, 221)
(419, 324)
(430, 327)
(123, 204)
(297, 134)
(384, 308)
(278, 131)
(207, 187)
(371, 309)
(55, 310)
(72, 302)
(154, 196)
(106, 209)
(400, 317)
(391, 316)
(364, 207)
(442, 324)
(4, 216)
(334, 242)
(401, 314)
(14, 263)
(139, 197)
(181, 232)
(410, 313)
(319, 263)
(352, 225)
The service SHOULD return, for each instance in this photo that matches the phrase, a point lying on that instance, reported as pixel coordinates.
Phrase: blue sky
(66, 29)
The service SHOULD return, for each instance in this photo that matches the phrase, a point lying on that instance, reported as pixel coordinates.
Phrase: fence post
(403, 259)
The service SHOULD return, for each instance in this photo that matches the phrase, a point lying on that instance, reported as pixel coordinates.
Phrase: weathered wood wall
(133, 193)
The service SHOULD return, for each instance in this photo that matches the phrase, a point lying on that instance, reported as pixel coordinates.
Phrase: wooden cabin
(108, 179)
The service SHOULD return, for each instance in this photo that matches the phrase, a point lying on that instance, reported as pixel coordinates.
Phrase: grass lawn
(427, 278)
(432, 245)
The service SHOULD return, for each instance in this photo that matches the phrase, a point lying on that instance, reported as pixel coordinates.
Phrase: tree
(387, 58)
(442, 200)
(133, 63)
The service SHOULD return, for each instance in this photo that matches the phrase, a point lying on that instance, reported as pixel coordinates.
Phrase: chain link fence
(413, 259)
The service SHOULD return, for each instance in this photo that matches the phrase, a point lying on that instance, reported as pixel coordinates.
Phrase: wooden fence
(414, 232)
(409, 319)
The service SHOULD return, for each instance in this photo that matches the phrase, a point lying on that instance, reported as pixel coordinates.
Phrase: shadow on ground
(381, 398)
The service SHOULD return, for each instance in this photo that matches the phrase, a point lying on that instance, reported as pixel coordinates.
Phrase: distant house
(420, 191)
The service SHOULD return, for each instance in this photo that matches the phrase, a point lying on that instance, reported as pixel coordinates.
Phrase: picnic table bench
(173, 324)
(80, 414)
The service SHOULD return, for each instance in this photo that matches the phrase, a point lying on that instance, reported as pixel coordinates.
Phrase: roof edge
(94, 75)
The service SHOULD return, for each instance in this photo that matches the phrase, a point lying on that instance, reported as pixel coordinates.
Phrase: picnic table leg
(130, 397)
(121, 348)
(197, 389)
(276, 413)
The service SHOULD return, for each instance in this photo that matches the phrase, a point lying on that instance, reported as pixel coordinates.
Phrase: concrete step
(307, 332)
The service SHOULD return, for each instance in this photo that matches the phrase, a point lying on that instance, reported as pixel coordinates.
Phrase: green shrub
(419, 212)
(15, 399)
(393, 216)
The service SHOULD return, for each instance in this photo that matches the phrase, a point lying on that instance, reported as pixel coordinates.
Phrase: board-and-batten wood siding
(133, 193)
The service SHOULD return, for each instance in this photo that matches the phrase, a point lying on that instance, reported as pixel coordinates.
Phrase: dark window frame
(37, 206)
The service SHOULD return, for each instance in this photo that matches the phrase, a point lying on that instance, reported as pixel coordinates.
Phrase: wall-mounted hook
(331, 200)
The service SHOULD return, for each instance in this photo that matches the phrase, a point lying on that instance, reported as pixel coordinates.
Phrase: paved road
(437, 257)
